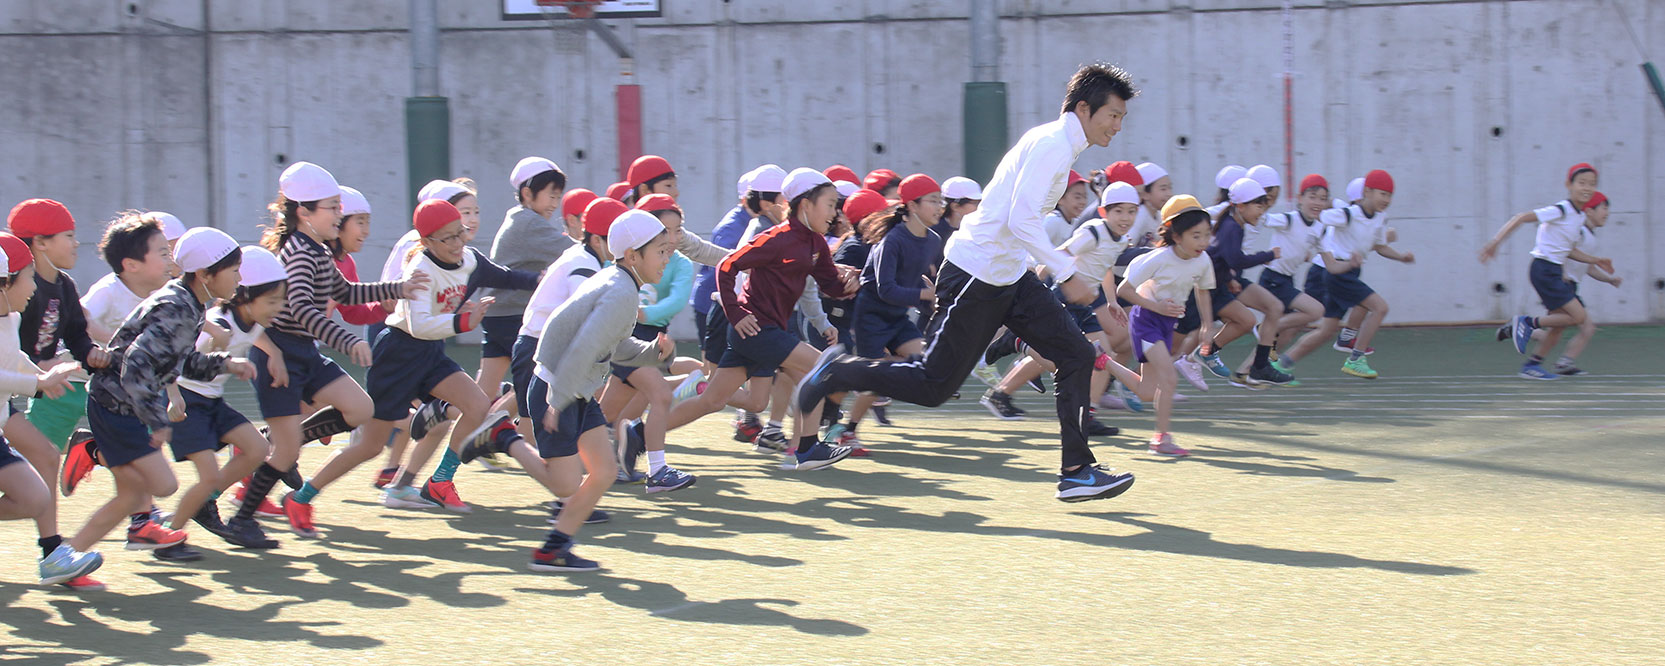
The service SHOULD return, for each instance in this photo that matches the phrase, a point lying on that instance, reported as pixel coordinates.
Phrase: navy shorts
(1342, 291)
(405, 369)
(641, 332)
(699, 322)
(309, 372)
(1576, 297)
(715, 342)
(878, 333)
(578, 418)
(1281, 286)
(500, 333)
(1083, 315)
(1192, 319)
(7, 454)
(1550, 280)
(121, 439)
(1315, 283)
(1149, 329)
(207, 420)
(1221, 295)
(521, 363)
(761, 354)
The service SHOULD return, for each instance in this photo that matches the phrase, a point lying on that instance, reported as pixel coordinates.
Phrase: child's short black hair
(542, 181)
(246, 295)
(127, 237)
(1095, 83)
(1181, 224)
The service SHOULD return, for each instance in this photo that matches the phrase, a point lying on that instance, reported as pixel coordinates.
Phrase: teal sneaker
(1358, 367)
(1213, 363)
(66, 563)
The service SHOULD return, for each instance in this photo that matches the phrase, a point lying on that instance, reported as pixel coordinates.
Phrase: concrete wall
(195, 106)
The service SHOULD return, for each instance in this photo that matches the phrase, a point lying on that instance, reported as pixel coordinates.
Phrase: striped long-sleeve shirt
(313, 281)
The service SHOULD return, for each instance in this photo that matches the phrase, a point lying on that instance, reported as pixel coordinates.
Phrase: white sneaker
(1192, 371)
(987, 374)
(406, 497)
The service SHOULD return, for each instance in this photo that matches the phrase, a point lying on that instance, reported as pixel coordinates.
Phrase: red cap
(916, 186)
(864, 203)
(1596, 199)
(878, 179)
(18, 253)
(1313, 180)
(646, 168)
(838, 172)
(1579, 168)
(657, 202)
(616, 191)
(433, 215)
(1378, 180)
(574, 201)
(39, 217)
(1123, 172)
(1074, 178)
(599, 216)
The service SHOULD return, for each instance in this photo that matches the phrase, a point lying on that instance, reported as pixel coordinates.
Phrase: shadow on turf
(83, 629)
(1164, 538)
(665, 600)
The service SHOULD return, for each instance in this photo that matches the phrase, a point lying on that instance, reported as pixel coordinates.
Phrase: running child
(529, 240)
(1595, 217)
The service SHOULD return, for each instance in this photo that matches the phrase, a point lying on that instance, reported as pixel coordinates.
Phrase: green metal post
(1653, 80)
(427, 141)
(985, 128)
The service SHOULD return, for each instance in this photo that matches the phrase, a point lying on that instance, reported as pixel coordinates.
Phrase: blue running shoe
(67, 563)
(812, 389)
(1134, 404)
(820, 455)
(1536, 371)
(561, 560)
(632, 444)
(1522, 333)
(1213, 363)
(631, 477)
(1092, 482)
(596, 515)
(668, 479)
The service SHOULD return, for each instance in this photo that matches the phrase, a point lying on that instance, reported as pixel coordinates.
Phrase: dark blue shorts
(1281, 286)
(309, 372)
(1083, 315)
(715, 342)
(7, 454)
(761, 354)
(1315, 283)
(1221, 295)
(404, 369)
(1342, 291)
(500, 333)
(578, 418)
(521, 363)
(641, 332)
(1192, 319)
(121, 439)
(1550, 281)
(1576, 297)
(207, 420)
(1149, 329)
(878, 332)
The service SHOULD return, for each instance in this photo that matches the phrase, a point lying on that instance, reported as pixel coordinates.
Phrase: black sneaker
(747, 428)
(1038, 385)
(596, 515)
(631, 445)
(1569, 370)
(1001, 347)
(1506, 331)
(246, 533)
(427, 417)
(178, 552)
(814, 387)
(1092, 482)
(831, 413)
(209, 518)
(1000, 405)
(1096, 428)
(771, 440)
(505, 388)
(488, 437)
(561, 560)
(292, 478)
(1267, 374)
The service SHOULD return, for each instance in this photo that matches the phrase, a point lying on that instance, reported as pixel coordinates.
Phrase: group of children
(924, 282)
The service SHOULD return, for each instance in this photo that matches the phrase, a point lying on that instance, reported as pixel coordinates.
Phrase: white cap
(960, 187)
(260, 266)
(528, 167)
(305, 181)
(1337, 203)
(353, 202)
(1355, 189)
(1151, 172)
(1265, 175)
(1246, 190)
(801, 180)
(1229, 175)
(1119, 192)
(201, 247)
(846, 188)
(744, 185)
(768, 178)
(439, 190)
(172, 228)
(632, 230)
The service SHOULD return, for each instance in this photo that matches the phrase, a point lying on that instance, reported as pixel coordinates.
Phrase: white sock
(656, 462)
(1348, 334)
(775, 425)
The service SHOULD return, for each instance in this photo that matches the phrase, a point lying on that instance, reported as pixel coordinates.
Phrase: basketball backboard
(530, 10)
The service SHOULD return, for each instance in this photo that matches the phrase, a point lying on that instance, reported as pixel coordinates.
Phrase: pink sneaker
(1163, 443)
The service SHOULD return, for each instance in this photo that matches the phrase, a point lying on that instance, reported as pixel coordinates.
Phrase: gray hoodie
(589, 331)
(526, 242)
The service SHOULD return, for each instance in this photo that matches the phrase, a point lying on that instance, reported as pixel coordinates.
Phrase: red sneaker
(83, 584)
(79, 460)
(444, 493)
(152, 536)
(266, 509)
(300, 516)
(386, 477)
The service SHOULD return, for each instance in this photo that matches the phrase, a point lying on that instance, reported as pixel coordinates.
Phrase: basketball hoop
(574, 8)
